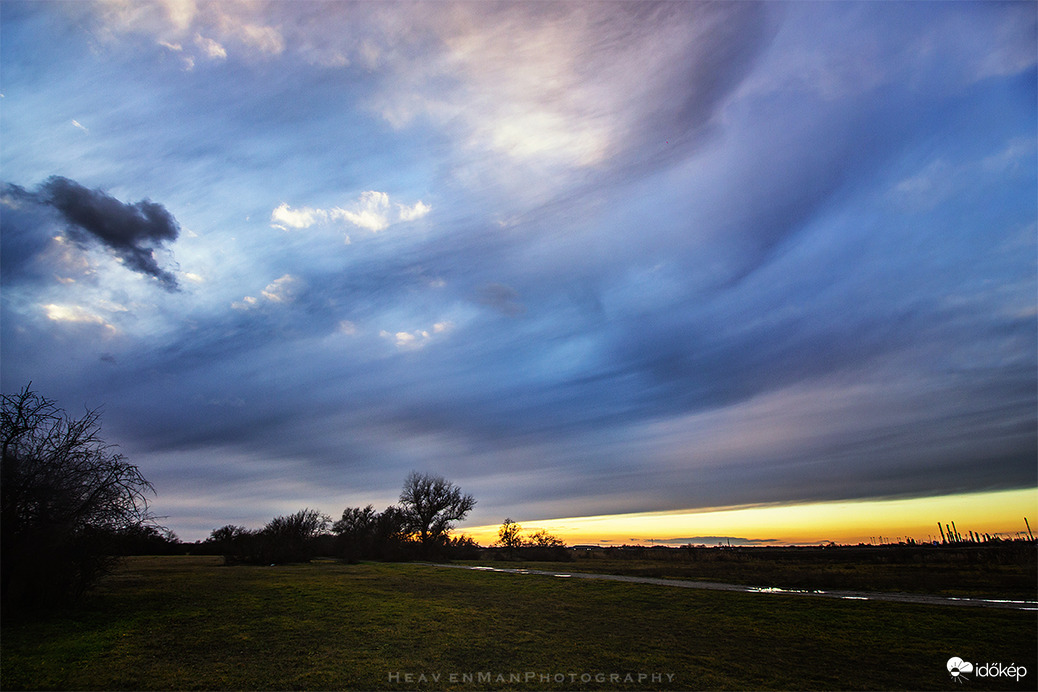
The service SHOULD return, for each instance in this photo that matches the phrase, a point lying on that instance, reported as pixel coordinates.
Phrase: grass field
(192, 623)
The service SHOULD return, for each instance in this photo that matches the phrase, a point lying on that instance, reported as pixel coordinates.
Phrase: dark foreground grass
(191, 623)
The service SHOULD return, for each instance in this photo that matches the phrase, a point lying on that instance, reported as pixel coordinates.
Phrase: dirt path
(921, 599)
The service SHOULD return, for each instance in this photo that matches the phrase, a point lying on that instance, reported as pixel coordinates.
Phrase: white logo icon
(957, 667)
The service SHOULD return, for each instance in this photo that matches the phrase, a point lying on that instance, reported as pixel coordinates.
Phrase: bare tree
(365, 534)
(432, 504)
(356, 522)
(291, 538)
(64, 492)
(543, 539)
(508, 535)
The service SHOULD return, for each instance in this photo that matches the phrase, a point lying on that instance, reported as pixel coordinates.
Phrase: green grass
(191, 623)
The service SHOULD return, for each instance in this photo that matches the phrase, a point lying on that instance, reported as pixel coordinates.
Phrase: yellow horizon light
(847, 521)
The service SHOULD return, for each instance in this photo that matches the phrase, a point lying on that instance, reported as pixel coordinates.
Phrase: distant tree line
(418, 528)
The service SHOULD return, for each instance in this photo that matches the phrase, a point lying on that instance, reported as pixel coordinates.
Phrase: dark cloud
(132, 231)
(502, 298)
(21, 243)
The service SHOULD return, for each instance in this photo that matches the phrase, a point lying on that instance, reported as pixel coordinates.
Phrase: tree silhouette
(64, 493)
(291, 538)
(508, 536)
(365, 534)
(431, 505)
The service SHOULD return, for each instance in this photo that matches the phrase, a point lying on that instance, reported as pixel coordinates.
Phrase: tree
(64, 492)
(226, 535)
(233, 542)
(145, 539)
(356, 533)
(463, 548)
(364, 534)
(543, 539)
(391, 535)
(291, 538)
(431, 505)
(508, 535)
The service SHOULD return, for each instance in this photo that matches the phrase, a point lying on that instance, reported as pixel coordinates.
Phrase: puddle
(775, 589)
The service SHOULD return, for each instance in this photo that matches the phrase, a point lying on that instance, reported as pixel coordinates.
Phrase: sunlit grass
(191, 623)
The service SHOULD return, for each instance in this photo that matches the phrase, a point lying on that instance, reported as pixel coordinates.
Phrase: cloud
(502, 298)
(211, 48)
(414, 212)
(419, 338)
(284, 217)
(133, 232)
(266, 39)
(555, 88)
(285, 289)
(76, 314)
(172, 22)
(371, 212)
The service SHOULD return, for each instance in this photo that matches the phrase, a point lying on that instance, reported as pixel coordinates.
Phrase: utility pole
(1028, 529)
(943, 539)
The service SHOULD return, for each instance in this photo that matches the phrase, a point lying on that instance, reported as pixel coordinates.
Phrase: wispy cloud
(371, 212)
(283, 290)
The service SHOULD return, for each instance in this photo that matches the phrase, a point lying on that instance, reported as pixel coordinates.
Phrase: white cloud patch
(419, 338)
(413, 212)
(371, 212)
(266, 39)
(284, 217)
(246, 303)
(212, 26)
(211, 48)
(75, 314)
(282, 290)
(76, 124)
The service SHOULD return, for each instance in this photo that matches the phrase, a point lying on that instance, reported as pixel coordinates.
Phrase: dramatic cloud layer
(580, 258)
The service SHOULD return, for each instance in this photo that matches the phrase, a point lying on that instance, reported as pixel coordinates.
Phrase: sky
(583, 259)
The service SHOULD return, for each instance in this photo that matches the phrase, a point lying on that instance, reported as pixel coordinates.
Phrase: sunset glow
(999, 514)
